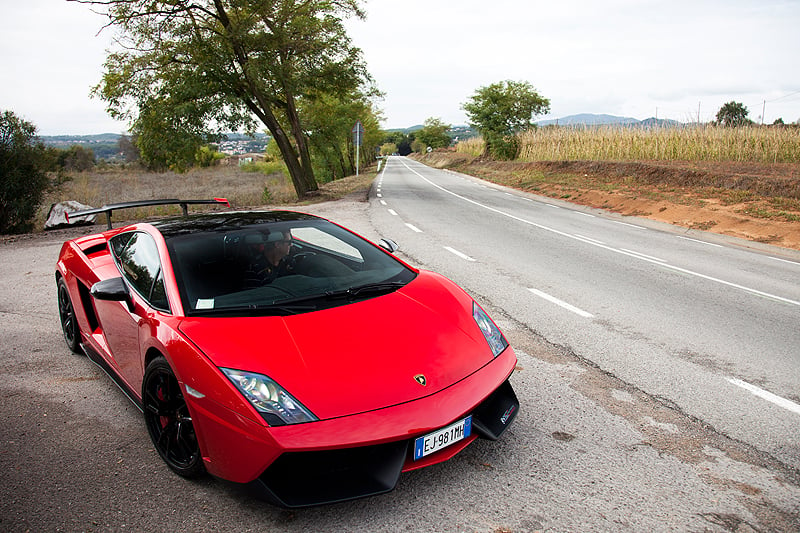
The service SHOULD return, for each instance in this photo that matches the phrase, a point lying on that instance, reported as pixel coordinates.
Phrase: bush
(503, 148)
(23, 180)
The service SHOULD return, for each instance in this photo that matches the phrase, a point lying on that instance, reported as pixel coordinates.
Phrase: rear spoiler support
(108, 209)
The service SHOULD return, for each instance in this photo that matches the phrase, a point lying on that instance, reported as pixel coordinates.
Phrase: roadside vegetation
(249, 186)
(754, 144)
(739, 180)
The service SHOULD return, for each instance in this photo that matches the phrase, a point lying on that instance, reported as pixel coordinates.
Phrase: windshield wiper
(277, 309)
(374, 289)
(293, 306)
(362, 291)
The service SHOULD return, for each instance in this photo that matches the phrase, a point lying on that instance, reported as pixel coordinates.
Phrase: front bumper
(354, 456)
(301, 479)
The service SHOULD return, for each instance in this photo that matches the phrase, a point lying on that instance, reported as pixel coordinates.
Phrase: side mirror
(114, 290)
(389, 245)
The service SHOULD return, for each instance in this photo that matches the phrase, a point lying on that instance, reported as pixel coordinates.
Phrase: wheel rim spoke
(169, 421)
(66, 313)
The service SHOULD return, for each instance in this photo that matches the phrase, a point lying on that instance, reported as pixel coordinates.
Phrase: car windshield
(247, 266)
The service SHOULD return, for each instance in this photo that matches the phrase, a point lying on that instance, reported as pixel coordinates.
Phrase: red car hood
(357, 357)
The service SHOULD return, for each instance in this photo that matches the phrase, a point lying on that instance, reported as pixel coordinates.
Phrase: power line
(782, 97)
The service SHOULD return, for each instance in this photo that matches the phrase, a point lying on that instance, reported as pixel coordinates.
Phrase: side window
(137, 256)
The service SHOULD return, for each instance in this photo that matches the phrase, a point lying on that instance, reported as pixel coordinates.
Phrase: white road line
(565, 305)
(463, 256)
(609, 248)
(383, 202)
(587, 239)
(785, 261)
(766, 395)
(413, 228)
(699, 241)
(627, 224)
(644, 255)
(393, 212)
(553, 206)
(585, 214)
(380, 195)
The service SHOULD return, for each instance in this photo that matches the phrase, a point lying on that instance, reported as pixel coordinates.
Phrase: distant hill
(406, 131)
(80, 139)
(105, 145)
(589, 119)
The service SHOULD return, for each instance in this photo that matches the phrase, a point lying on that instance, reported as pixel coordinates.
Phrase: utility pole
(763, 108)
(358, 135)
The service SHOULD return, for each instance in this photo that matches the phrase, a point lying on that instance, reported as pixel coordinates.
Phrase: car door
(136, 255)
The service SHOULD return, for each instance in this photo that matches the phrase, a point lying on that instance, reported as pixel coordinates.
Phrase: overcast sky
(639, 59)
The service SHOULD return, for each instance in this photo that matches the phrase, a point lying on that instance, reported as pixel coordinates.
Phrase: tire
(168, 420)
(66, 313)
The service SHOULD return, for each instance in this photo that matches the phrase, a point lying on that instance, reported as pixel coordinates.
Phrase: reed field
(742, 181)
(690, 143)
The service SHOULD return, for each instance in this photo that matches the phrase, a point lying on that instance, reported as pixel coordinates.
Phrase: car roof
(228, 220)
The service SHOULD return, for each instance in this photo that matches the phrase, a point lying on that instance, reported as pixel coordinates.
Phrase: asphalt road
(695, 319)
(593, 448)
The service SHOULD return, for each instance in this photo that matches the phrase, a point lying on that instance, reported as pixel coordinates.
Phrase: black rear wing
(108, 209)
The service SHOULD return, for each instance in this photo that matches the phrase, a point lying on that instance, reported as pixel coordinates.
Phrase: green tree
(169, 134)
(388, 148)
(501, 110)
(329, 120)
(401, 140)
(23, 180)
(126, 146)
(206, 156)
(434, 133)
(733, 114)
(228, 63)
(76, 159)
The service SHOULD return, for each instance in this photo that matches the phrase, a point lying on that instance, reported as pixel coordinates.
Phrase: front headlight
(491, 333)
(277, 406)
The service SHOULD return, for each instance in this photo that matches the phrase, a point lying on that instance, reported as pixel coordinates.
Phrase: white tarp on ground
(57, 217)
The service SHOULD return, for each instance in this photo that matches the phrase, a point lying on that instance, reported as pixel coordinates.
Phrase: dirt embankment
(758, 202)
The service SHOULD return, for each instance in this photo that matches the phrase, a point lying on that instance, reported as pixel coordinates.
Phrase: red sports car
(282, 351)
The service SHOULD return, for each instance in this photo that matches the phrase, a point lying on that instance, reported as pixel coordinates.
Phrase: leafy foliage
(23, 180)
(434, 134)
(127, 147)
(184, 65)
(733, 114)
(501, 110)
(401, 140)
(77, 158)
(329, 120)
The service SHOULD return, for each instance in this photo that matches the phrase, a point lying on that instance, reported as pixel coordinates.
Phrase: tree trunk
(342, 162)
(307, 177)
(296, 172)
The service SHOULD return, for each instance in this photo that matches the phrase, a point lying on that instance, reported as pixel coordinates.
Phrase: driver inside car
(268, 257)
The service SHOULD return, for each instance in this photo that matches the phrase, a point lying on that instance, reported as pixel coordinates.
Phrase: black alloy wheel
(66, 312)
(168, 420)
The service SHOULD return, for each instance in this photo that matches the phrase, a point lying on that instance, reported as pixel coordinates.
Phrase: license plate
(442, 438)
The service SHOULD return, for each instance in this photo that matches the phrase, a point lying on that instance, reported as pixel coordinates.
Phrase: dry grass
(755, 201)
(242, 188)
(759, 190)
(692, 143)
